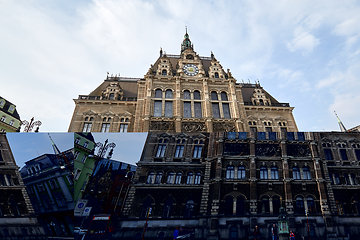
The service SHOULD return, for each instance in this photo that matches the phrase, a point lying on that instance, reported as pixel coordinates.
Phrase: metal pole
(146, 223)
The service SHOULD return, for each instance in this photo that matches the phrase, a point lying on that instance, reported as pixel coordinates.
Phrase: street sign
(80, 206)
(86, 211)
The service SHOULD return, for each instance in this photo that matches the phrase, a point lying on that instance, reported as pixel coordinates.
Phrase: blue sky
(27, 146)
(303, 52)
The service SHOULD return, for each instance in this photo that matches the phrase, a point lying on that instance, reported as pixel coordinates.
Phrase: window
(214, 96)
(299, 205)
(164, 72)
(335, 178)
(2, 119)
(179, 151)
(123, 127)
(216, 110)
(77, 174)
(306, 173)
(168, 108)
(168, 94)
(343, 154)
(310, 205)
(11, 123)
(157, 108)
(290, 136)
(301, 136)
(187, 94)
(87, 127)
(265, 205)
(357, 154)
(158, 93)
(151, 178)
(161, 150)
(274, 173)
(241, 172)
(105, 127)
(84, 158)
(197, 109)
(2, 103)
(178, 178)
(170, 178)
(197, 148)
(197, 95)
(230, 172)
(158, 178)
(189, 209)
(190, 178)
(111, 96)
(77, 140)
(86, 144)
(226, 110)
(76, 154)
(197, 178)
(11, 109)
(296, 173)
(216, 75)
(328, 154)
(263, 173)
(187, 110)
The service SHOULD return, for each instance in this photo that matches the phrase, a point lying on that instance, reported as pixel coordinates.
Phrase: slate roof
(128, 85)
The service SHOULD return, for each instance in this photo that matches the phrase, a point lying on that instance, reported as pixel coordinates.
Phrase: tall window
(198, 146)
(192, 106)
(216, 110)
(165, 100)
(157, 108)
(197, 178)
(164, 72)
(343, 154)
(170, 178)
(124, 123)
(168, 108)
(328, 154)
(306, 173)
(179, 151)
(296, 173)
(158, 178)
(241, 172)
(151, 178)
(230, 172)
(311, 205)
(274, 173)
(105, 126)
(178, 178)
(222, 104)
(265, 205)
(161, 148)
(299, 205)
(87, 124)
(190, 178)
(263, 173)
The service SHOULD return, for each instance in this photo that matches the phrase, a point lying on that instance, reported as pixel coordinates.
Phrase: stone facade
(17, 217)
(181, 93)
(220, 185)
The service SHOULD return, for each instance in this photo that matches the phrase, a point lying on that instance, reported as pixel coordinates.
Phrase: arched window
(214, 95)
(274, 173)
(198, 147)
(164, 72)
(197, 178)
(263, 173)
(168, 207)
(299, 205)
(240, 206)
(170, 178)
(187, 94)
(158, 177)
(276, 205)
(161, 150)
(197, 95)
(261, 102)
(241, 172)
(228, 206)
(224, 96)
(189, 209)
(296, 173)
(178, 178)
(306, 173)
(311, 205)
(230, 172)
(111, 96)
(168, 93)
(264, 205)
(151, 178)
(158, 93)
(216, 75)
(190, 178)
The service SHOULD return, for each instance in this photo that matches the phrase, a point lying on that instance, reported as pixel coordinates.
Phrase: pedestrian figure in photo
(256, 233)
(274, 232)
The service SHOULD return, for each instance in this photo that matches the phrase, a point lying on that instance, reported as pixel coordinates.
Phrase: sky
(27, 146)
(303, 52)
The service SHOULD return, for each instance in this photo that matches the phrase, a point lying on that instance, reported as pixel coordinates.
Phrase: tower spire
(186, 42)
(341, 125)
(55, 148)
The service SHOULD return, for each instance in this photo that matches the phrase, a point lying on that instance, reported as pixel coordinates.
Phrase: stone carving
(267, 150)
(162, 126)
(193, 127)
(298, 150)
(224, 127)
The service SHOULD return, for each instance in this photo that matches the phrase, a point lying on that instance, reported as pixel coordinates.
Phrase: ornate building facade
(221, 185)
(17, 217)
(181, 93)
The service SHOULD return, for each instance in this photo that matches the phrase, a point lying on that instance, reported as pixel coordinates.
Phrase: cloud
(303, 41)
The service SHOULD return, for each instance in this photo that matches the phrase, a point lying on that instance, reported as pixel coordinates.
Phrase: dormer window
(216, 75)
(164, 72)
(189, 56)
(11, 109)
(2, 103)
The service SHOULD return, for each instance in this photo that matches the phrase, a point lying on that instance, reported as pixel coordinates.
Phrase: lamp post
(30, 125)
(283, 225)
(104, 147)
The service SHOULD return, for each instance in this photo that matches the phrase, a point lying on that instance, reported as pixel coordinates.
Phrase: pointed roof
(55, 148)
(186, 42)
(341, 125)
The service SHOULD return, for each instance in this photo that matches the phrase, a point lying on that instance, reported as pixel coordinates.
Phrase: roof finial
(55, 148)
(161, 52)
(186, 29)
(341, 125)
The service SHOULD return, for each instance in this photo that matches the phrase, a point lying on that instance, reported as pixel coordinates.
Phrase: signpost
(79, 208)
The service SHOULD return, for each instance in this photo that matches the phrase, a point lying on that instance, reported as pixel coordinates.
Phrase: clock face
(191, 69)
